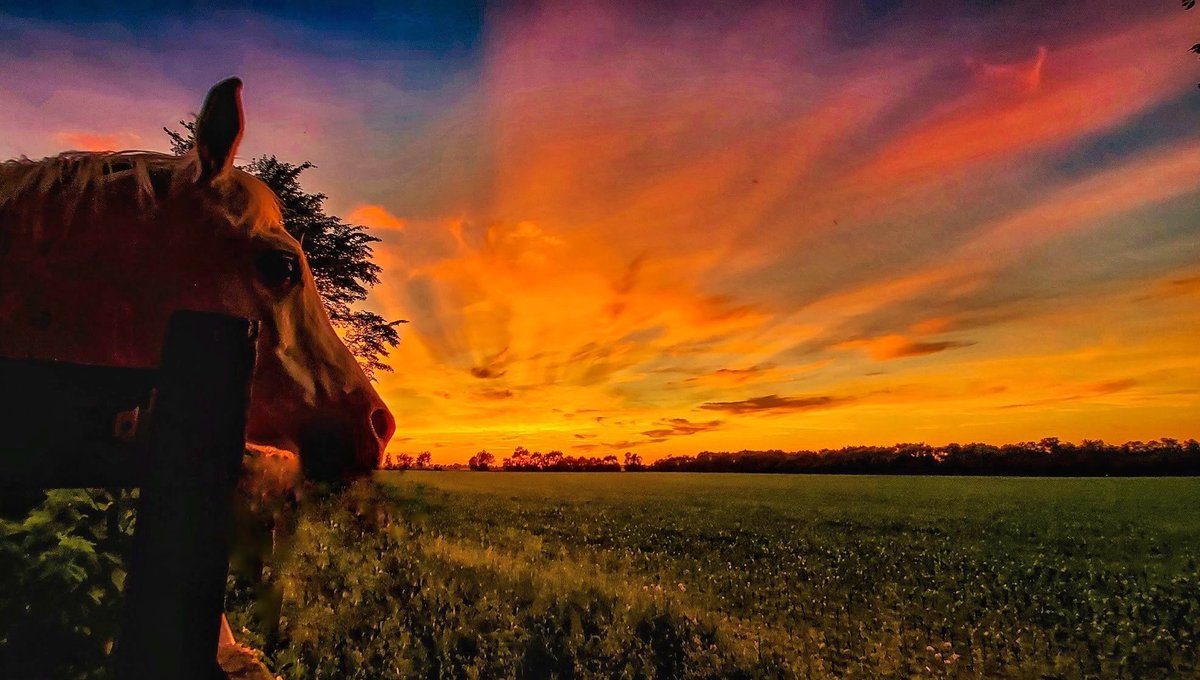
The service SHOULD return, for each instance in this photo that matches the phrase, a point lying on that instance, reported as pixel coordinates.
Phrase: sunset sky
(783, 225)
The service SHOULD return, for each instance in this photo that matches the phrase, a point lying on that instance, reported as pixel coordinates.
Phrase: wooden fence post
(175, 588)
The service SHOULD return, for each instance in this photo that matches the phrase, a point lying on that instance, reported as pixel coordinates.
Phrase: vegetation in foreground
(678, 575)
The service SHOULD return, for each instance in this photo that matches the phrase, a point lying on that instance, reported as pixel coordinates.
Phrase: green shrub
(62, 570)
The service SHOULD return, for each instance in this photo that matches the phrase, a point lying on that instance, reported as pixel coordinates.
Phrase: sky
(709, 226)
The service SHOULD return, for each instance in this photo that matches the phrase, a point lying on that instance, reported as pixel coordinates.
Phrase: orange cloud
(680, 427)
(1082, 393)
(775, 404)
(735, 376)
(375, 217)
(886, 347)
(1187, 285)
(932, 325)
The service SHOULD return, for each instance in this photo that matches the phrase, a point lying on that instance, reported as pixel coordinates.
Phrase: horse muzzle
(343, 449)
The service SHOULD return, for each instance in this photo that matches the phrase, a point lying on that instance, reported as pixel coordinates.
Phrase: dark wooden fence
(177, 433)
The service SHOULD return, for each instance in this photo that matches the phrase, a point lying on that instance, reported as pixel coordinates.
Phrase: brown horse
(98, 249)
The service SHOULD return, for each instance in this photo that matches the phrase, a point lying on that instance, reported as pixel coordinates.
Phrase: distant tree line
(524, 461)
(1047, 457)
(405, 461)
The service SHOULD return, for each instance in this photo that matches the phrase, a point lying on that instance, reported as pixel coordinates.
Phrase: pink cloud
(77, 140)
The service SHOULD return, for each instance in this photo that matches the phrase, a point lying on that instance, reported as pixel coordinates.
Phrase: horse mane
(31, 186)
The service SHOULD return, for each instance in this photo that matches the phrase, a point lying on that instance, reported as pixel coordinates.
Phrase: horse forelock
(63, 181)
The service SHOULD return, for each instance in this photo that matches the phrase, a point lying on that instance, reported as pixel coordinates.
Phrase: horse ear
(219, 128)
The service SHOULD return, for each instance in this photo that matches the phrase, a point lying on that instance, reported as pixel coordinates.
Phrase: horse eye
(279, 268)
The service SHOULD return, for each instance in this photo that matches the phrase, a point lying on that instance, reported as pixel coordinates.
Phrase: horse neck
(94, 288)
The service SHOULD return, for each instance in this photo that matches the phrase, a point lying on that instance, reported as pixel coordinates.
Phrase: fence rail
(178, 434)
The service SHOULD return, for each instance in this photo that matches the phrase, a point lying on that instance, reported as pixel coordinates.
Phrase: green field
(533, 575)
(460, 574)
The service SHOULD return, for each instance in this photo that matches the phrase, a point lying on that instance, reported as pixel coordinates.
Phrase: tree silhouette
(481, 461)
(524, 461)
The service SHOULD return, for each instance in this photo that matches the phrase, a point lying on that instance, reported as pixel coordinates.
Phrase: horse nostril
(381, 423)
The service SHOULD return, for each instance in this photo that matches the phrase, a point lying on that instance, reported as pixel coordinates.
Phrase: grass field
(459, 574)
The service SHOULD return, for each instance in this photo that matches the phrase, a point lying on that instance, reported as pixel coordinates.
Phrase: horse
(97, 249)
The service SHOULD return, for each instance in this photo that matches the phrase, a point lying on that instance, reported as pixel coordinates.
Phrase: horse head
(97, 250)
